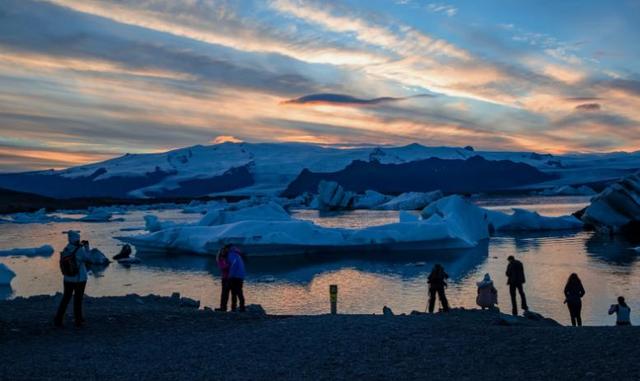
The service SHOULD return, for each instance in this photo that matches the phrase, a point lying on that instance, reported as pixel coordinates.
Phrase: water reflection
(616, 250)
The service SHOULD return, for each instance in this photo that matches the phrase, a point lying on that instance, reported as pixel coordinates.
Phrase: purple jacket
(236, 264)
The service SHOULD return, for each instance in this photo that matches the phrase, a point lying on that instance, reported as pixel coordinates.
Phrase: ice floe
(42, 251)
(6, 275)
(525, 220)
(617, 208)
(411, 201)
(568, 190)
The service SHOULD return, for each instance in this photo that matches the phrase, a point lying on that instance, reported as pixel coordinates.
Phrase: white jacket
(81, 258)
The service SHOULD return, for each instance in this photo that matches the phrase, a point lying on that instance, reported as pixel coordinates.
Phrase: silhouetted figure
(573, 293)
(124, 253)
(515, 280)
(437, 284)
(74, 270)
(223, 264)
(236, 277)
(622, 311)
(487, 293)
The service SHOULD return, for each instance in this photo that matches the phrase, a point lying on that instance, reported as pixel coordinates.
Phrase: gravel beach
(161, 338)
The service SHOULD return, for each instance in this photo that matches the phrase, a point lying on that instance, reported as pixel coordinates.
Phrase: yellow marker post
(333, 297)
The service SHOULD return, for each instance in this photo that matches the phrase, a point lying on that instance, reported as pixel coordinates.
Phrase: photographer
(74, 270)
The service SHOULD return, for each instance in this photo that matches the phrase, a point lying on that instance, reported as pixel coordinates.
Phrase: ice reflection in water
(367, 282)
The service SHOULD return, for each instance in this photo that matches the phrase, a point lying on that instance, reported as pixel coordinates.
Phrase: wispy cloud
(446, 9)
(347, 100)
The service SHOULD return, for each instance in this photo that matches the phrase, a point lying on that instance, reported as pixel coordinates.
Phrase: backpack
(69, 264)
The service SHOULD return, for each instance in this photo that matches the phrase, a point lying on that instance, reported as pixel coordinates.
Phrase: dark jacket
(437, 278)
(515, 273)
(573, 292)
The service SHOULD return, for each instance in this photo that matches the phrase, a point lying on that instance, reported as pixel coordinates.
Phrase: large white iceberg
(265, 212)
(6, 275)
(454, 224)
(411, 201)
(617, 208)
(42, 251)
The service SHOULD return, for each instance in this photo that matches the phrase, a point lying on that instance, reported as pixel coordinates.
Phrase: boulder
(188, 302)
(386, 311)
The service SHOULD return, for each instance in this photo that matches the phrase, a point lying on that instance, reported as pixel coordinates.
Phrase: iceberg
(6, 275)
(265, 212)
(370, 200)
(153, 224)
(97, 215)
(97, 257)
(455, 224)
(331, 196)
(38, 217)
(411, 201)
(568, 190)
(42, 251)
(617, 208)
(525, 220)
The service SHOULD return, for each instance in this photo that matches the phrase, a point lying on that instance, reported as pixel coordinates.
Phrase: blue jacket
(236, 264)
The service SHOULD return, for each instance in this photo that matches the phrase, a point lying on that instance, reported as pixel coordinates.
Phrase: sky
(83, 81)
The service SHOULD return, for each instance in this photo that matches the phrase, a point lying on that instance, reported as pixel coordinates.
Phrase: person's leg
(240, 294)
(443, 299)
(78, 294)
(234, 293)
(523, 298)
(224, 294)
(514, 302)
(572, 313)
(432, 299)
(62, 308)
(579, 314)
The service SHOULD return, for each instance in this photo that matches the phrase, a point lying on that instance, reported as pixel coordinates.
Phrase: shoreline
(153, 337)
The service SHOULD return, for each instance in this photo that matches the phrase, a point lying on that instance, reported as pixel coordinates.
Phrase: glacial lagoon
(367, 282)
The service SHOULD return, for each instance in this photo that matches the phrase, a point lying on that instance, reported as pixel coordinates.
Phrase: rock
(386, 311)
(533, 316)
(175, 296)
(415, 313)
(139, 301)
(506, 320)
(188, 302)
(256, 310)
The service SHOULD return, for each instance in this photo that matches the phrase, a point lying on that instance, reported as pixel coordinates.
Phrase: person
(487, 293)
(622, 311)
(437, 284)
(223, 264)
(124, 253)
(236, 277)
(72, 264)
(573, 293)
(516, 280)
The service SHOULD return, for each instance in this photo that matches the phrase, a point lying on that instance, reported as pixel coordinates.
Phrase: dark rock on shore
(154, 338)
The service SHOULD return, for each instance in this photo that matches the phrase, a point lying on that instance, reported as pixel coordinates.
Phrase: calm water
(366, 283)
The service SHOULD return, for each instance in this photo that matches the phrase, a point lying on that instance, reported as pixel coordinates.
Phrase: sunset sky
(87, 80)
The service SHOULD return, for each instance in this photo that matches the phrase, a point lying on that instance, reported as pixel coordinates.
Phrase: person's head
(510, 258)
(621, 301)
(487, 277)
(73, 237)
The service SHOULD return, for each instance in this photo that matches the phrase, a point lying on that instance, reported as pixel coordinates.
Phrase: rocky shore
(169, 338)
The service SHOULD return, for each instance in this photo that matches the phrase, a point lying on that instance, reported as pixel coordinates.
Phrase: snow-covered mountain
(268, 168)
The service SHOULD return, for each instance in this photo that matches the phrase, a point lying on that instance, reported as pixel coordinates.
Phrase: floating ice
(411, 201)
(370, 200)
(6, 275)
(458, 224)
(42, 251)
(331, 196)
(524, 220)
(568, 190)
(265, 212)
(617, 208)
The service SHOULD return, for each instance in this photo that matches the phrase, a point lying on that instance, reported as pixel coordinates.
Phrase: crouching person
(74, 270)
(487, 293)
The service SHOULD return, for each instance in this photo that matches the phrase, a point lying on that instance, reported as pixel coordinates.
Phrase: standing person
(573, 293)
(437, 284)
(622, 311)
(236, 277)
(223, 264)
(72, 265)
(487, 293)
(515, 280)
